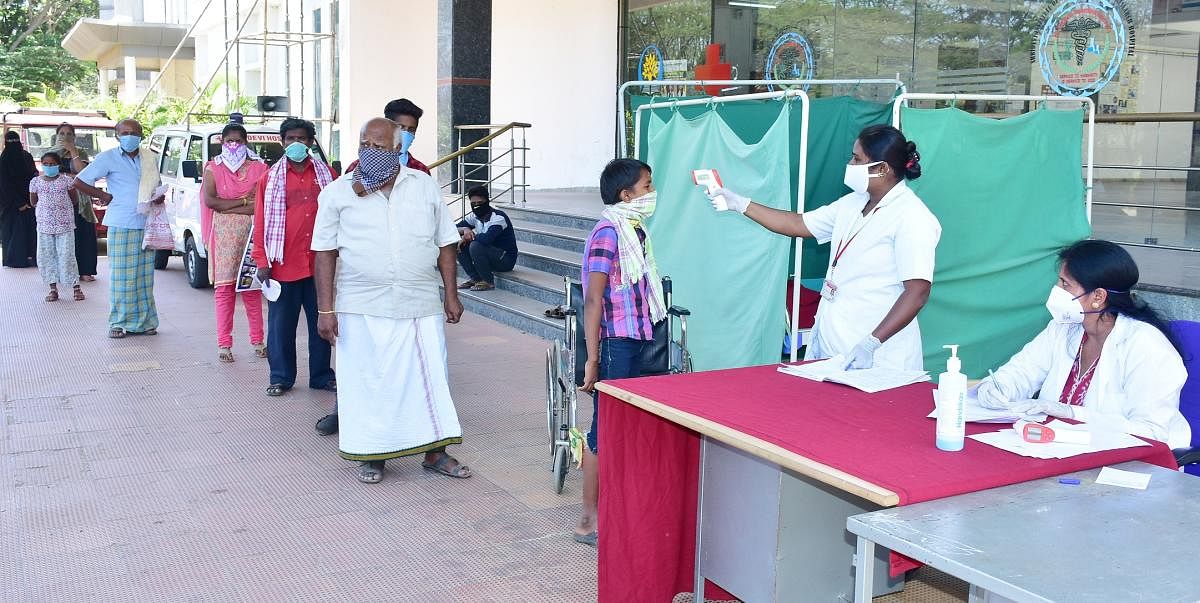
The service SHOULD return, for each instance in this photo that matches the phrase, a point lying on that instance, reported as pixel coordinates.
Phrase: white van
(183, 152)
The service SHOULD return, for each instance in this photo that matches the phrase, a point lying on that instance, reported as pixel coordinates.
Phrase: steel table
(1046, 541)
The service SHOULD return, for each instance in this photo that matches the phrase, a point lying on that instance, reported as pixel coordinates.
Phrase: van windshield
(265, 144)
(39, 139)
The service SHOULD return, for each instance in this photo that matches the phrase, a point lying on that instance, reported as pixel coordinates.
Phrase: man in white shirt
(380, 232)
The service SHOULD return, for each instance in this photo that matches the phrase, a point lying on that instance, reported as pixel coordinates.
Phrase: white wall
(388, 51)
(554, 65)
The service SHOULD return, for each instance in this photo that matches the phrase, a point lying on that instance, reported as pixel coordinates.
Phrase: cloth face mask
(234, 154)
(643, 207)
(376, 167)
(858, 177)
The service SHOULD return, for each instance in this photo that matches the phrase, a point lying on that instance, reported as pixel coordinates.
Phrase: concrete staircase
(551, 247)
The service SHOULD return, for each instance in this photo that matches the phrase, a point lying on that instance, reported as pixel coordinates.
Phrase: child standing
(623, 299)
(51, 198)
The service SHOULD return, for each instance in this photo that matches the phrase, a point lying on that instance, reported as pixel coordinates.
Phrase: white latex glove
(992, 395)
(1053, 408)
(862, 356)
(733, 200)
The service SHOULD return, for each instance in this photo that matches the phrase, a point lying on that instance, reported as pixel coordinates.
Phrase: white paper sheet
(1126, 479)
(1102, 439)
(978, 414)
(872, 380)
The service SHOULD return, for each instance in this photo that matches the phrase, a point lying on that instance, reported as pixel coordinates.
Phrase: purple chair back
(1188, 334)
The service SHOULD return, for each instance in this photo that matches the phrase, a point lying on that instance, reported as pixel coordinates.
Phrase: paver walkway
(143, 469)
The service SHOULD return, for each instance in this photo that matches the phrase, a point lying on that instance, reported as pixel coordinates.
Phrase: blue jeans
(282, 320)
(620, 358)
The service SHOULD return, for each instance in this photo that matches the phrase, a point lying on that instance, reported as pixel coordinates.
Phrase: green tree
(31, 58)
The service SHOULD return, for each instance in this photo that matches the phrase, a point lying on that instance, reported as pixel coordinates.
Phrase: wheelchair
(566, 359)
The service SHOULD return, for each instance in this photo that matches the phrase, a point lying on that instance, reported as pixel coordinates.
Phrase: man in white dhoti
(379, 234)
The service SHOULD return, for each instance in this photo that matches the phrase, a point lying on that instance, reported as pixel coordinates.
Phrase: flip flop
(225, 354)
(441, 466)
(556, 312)
(590, 539)
(116, 333)
(260, 350)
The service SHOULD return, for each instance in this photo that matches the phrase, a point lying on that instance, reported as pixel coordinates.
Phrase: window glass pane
(173, 156)
(195, 150)
(679, 29)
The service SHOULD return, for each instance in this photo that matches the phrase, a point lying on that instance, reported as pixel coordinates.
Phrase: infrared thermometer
(711, 181)
(1036, 433)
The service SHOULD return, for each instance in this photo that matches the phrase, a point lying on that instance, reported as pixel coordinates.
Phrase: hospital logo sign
(650, 64)
(790, 58)
(1082, 44)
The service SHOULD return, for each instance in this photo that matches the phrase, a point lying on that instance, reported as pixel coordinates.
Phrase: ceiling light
(752, 4)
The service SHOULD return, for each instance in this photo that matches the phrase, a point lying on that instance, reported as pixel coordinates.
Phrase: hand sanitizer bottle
(951, 406)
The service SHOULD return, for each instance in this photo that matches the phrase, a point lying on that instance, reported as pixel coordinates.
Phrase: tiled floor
(142, 469)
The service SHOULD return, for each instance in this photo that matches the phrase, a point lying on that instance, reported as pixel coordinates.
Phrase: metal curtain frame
(902, 101)
(623, 147)
(801, 172)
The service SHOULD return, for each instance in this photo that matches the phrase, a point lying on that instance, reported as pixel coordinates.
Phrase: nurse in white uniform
(881, 262)
(1104, 358)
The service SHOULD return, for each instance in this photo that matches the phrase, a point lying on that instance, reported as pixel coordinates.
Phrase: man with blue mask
(380, 231)
(408, 116)
(131, 171)
(285, 210)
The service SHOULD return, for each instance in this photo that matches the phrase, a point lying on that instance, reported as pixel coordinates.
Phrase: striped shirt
(626, 312)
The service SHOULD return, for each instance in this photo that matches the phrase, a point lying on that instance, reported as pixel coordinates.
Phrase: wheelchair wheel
(553, 396)
(562, 463)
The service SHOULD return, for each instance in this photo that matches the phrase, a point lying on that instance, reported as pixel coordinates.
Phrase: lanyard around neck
(845, 243)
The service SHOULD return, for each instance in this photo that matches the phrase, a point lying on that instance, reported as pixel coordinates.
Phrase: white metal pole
(802, 186)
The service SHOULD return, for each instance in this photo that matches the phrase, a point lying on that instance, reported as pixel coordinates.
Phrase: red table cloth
(649, 465)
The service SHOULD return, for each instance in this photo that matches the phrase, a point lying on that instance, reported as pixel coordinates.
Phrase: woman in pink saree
(226, 218)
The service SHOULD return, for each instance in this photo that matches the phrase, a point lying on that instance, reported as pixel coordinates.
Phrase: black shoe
(329, 387)
(328, 425)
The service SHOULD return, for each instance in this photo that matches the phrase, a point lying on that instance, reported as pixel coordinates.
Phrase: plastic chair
(1188, 334)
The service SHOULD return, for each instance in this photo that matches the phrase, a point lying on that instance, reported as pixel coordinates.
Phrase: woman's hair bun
(912, 165)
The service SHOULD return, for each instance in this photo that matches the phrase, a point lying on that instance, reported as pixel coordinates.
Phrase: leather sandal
(224, 354)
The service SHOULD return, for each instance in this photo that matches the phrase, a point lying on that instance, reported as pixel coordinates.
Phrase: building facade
(556, 64)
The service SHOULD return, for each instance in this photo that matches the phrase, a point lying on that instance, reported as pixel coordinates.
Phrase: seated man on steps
(488, 242)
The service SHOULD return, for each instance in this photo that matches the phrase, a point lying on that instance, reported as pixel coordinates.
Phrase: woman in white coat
(881, 264)
(1104, 358)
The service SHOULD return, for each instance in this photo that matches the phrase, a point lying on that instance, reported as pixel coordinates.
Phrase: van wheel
(161, 257)
(196, 266)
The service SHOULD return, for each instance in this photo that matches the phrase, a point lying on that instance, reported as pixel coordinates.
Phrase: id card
(828, 290)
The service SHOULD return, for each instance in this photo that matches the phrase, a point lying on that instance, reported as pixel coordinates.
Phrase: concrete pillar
(102, 83)
(130, 94)
(464, 76)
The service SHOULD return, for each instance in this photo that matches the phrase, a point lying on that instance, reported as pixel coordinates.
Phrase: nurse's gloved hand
(1053, 408)
(733, 200)
(992, 394)
(862, 356)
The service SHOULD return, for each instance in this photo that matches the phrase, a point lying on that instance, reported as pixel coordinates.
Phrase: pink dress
(225, 238)
(225, 235)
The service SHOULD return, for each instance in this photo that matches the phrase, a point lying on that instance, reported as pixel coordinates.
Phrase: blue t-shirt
(124, 174)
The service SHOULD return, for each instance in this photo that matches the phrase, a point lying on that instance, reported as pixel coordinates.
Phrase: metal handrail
(478, 143)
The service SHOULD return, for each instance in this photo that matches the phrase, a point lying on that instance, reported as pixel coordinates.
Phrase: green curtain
(1009, 194)
(727, 270)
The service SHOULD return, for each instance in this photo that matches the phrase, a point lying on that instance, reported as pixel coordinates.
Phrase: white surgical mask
(1064, 307)
(858, 176)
